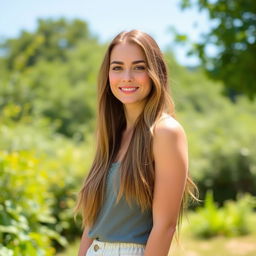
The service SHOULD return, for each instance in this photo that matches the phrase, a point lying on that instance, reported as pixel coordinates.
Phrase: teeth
(128, 89)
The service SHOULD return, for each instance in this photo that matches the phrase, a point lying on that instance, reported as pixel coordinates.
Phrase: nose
(127, 76)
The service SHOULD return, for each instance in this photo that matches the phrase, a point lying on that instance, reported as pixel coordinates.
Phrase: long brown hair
(137, 167)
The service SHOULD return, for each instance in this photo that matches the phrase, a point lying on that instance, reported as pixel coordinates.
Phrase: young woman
(133, 196)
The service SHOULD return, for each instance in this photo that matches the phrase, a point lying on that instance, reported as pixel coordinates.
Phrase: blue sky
(107, 18)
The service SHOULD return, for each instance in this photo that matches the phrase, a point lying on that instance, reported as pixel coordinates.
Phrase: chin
(132, 103)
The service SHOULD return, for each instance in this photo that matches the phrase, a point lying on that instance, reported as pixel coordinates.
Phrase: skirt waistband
(112, 245)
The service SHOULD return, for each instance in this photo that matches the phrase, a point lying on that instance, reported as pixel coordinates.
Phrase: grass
(189, 246)
(72, 250)
(221, 246)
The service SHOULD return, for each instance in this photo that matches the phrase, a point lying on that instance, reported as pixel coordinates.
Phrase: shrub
(25, 206)
(233, 219)
(50, 164)
(222, 149)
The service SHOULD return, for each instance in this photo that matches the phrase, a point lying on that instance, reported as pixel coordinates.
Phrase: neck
(131, 114)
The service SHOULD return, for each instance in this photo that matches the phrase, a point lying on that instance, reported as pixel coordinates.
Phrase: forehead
(127, 52)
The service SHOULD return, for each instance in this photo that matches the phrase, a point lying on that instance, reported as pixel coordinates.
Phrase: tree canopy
(52, 40)
(52, 72)
(233, 35)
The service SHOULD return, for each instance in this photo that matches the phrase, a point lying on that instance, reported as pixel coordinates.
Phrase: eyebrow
(121, 63)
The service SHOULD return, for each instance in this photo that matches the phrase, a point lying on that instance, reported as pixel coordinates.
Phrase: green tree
(52, 73)
(233, 35)
(52, 40)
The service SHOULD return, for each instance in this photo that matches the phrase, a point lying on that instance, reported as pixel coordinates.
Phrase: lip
(128, 87)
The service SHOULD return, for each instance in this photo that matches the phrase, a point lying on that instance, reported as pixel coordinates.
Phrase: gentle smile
(128, 89)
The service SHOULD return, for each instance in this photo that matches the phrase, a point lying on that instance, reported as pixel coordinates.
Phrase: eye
(116, 68)
(140, 67)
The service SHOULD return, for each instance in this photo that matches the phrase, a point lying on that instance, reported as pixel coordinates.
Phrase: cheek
(144, 80)
(113, 79)
(113, 82)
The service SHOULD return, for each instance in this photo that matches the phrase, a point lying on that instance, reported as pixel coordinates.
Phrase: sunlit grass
(220, 246)
(189, 246)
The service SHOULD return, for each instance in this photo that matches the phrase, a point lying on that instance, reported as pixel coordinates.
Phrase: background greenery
(47, 121)
(232, 35)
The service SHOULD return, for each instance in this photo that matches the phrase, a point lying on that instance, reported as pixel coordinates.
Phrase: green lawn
(220, 246)
(189, 246)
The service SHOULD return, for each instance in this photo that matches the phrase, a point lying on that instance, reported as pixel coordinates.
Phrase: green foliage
(58, 79)
(223, 150)
(40, 173)
(52, 40)
(223, 153)
(233, 219)
(221, 134)
(232, 34)
(48, 114)
(25, 206)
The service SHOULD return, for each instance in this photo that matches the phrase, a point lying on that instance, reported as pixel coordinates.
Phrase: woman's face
(128, 75)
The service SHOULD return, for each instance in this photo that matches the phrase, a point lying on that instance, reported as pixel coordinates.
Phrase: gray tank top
(120, 222)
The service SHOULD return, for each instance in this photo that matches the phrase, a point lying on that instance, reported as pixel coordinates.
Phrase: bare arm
(85, 243)
(171, 165)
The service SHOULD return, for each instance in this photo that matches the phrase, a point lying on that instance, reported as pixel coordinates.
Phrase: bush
(40, 173)
(222, 153)
(221, 137)
(25, 206)
(233, 219)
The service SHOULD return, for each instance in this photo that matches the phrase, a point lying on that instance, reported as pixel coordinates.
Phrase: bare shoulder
(168, 128)
(171, 169)
(170, 145)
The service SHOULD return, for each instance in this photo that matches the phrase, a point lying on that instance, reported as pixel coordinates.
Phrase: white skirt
(99, 248)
